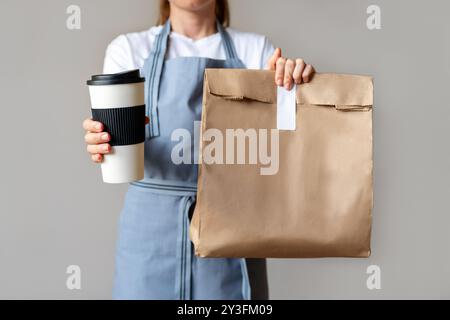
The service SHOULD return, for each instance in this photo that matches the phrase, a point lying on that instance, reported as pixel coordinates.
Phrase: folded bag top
(327, 88)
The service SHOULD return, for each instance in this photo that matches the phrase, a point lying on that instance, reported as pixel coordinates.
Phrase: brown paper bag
(319, 201)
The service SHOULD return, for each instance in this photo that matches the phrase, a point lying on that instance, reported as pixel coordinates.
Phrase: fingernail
(105, 137)
(105, 148)
(280, 82)
(98, 126)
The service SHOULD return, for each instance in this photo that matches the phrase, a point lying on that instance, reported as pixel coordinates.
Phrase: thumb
(271, 64)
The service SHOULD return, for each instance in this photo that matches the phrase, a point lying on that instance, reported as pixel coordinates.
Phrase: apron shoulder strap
(153, 72)
(230, 50)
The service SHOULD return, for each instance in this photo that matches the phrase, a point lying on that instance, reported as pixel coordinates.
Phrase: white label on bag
(286, 108)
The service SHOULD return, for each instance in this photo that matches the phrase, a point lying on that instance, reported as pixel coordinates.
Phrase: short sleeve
(253, 49)
(118, 56)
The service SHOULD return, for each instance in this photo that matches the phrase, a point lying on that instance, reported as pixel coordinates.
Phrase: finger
(279, 71)
(271, 64)
(308, 73)
(288, 71)
(97, 157)
(298, 71)
(147, 120)
(91, 125)
(98, 148)
(96, 138)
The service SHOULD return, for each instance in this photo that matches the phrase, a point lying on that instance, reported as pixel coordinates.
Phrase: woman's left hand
(289, 71)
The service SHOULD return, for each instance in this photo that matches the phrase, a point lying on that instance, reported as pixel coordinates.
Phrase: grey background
(55, 211)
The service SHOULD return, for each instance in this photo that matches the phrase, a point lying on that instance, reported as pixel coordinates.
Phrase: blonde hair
(222, 12)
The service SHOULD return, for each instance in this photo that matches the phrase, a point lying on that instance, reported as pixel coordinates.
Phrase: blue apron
(155, 257)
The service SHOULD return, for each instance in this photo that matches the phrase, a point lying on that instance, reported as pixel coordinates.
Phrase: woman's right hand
(97, 139)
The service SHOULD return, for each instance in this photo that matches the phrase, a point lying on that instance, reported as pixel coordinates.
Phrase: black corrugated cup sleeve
(126, 125)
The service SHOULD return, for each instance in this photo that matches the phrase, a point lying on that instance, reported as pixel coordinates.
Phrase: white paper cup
(117, 100)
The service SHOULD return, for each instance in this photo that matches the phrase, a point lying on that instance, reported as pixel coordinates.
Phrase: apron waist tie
(184, 251)
(183, 277)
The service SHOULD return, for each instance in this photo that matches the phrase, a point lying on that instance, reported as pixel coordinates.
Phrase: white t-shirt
(129, 51)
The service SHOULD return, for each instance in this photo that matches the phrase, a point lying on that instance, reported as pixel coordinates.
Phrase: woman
(154, 255)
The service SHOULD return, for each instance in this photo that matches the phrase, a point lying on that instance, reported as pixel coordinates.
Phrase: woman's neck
(195, 25)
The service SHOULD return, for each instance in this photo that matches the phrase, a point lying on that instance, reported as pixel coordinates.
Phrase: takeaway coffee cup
(117, 100)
